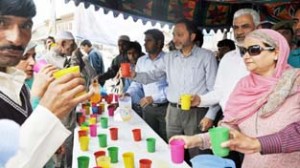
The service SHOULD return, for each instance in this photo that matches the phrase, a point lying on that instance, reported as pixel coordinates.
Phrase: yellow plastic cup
(186, 100)
(84, 143)
(103, 161)
(63, 72)
(93, 120)
(128, 158)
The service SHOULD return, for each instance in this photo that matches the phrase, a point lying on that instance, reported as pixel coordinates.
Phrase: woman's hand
(190, 141)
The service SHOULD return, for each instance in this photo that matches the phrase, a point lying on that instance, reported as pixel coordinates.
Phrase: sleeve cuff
(270, 144)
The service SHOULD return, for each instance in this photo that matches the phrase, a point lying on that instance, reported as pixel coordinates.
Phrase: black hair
(226, 42)
(199, 38)
(20, 8)
(157, 35)
(135, 45)
(51, 38)
(190, 25)
(86, 43)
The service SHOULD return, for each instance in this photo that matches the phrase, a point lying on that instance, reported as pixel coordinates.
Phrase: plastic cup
(125, 67)
(93, 130)
(151, 145)
(103, 161)
(104, 122)
(99, 154)
(82, 133)
(83, 161)
(102, 140)
(95, 109)
(84, 143)
(92, 120)
(186, 100)
(137, 134)
(128, 159)
(39, 65)
(111, 111)
(145, 163)
(101, 108)
(81, 120)
(87, 109)
(219, 135)
(113, 134)
(63, 72)
(177, 150)
(113, 154)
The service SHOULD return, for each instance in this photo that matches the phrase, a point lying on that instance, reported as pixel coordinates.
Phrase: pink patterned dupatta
(253, 91)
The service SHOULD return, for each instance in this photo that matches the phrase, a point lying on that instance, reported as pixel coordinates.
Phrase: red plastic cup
(81, 120)
(113, 133)
(145, 163)
(137, 134)
(125, 67)
(82, 133)
(177, 150)
(99, 154)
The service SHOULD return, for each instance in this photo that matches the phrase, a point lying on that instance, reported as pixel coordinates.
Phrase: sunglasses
(255, 50)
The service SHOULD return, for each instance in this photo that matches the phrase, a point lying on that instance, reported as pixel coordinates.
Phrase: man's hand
(42, 80)
(190, 141)
(195, 101)
(242, 143)
(206, 123)
(64, 94)
(145, 101)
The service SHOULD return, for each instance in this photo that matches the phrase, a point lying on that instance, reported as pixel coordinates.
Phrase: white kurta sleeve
(40, 136)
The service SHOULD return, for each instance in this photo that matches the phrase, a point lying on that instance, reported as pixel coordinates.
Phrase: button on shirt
(158, 89)
(193, 74)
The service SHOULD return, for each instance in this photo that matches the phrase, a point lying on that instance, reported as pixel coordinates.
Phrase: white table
(161, 158)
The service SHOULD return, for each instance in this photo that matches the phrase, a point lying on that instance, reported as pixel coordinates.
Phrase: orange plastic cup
(125, 67)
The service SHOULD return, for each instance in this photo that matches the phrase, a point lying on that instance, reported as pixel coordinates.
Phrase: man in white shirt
(43, 133)
(232, 67)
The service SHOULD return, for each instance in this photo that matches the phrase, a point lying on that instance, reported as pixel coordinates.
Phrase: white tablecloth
(161, 158)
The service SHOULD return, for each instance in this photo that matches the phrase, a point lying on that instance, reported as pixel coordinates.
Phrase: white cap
(30, 46)
(64, 35)
(124, 37)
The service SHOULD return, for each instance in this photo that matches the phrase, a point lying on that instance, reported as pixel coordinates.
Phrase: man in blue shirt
(94, 56)
(155, 102)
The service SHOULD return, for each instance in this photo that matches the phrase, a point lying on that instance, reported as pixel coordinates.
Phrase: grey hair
(255, 16)
(264, 37)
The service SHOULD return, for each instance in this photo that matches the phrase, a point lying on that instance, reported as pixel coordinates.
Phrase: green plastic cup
(102, 140)
(83, 161)
(104, 122)
(151, 145)
(219, 135)
(113, 154)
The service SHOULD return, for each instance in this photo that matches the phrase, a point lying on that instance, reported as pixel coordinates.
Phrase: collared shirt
(11, 83)
(156, 90)
(231, 69)
(193, 74)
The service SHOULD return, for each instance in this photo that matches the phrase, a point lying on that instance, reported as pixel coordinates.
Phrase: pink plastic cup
(93, 130)
(177, 150)
(39, 65)
(111, 111)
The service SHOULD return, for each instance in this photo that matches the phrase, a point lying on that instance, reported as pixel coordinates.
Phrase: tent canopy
(207, 14)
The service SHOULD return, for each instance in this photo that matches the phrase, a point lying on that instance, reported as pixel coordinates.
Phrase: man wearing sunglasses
(232, 67)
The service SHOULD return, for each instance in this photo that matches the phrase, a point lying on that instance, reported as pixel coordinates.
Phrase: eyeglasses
(255, 50)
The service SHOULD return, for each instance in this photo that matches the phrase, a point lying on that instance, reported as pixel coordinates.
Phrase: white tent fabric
(105, 28)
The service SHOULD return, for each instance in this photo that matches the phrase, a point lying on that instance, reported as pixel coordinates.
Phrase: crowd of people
(251, 86)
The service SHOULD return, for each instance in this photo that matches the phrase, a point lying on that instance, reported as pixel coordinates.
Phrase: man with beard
(294, 57)
(188, 70)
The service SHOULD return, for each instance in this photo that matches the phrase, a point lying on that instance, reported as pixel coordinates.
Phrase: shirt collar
(178, 52)
(158, 57)
(11, 83)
